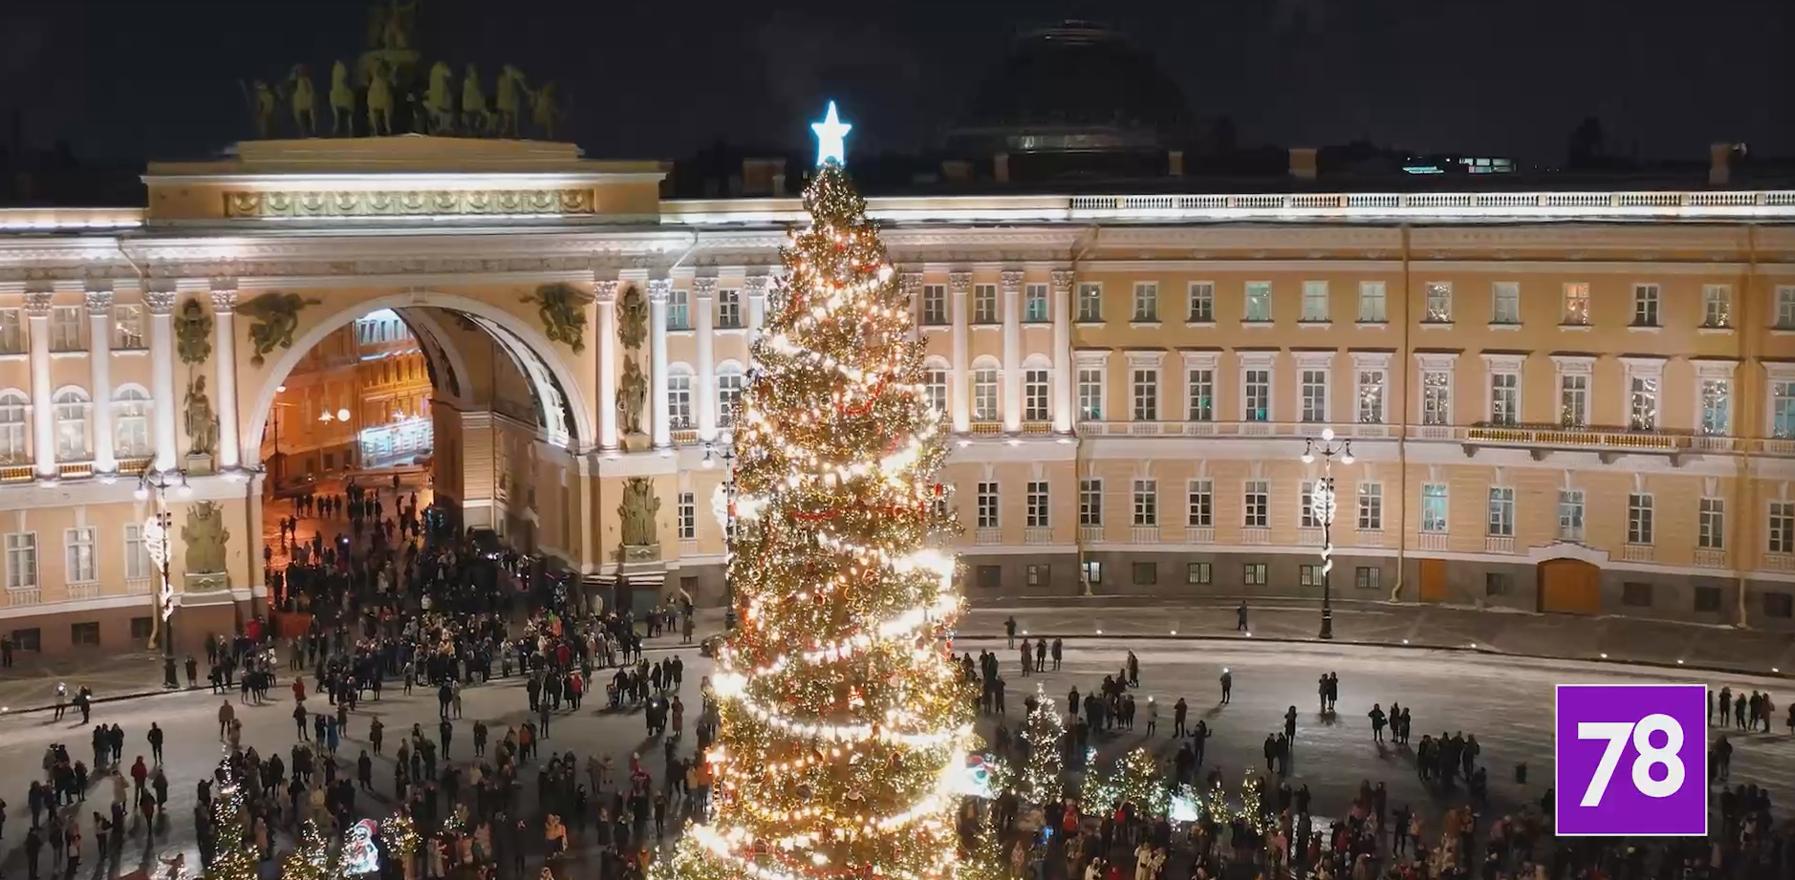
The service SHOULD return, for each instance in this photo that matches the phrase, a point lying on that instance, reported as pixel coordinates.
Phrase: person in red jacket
(139, 774)
(298, 689)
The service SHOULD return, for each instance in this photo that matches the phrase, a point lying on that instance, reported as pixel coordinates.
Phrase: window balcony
(1090, 534)
(1309, 536)
(987, 536)
(987, 429)
(17, 473)
(1431, 540)
(1608, 443)
(74, 470)
(1369, 538)
(1037, 535)
(1498, 544)
(17, 596)
(1200, 534)
(1779, 562)
(134, 464)
(1255, 535)
(1144, 535)
(1037, 427)
(1783, 446)
(138, 585)
(1638, 553)
(1710, 557)
(684, 437)
(89, 590)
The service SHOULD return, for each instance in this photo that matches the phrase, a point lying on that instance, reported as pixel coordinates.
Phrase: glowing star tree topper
(831, 138)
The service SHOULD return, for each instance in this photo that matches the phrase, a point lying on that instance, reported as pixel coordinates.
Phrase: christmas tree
(1135, 779)
(1038, 780)
(842, 717)
(312, 857)
(234, 856)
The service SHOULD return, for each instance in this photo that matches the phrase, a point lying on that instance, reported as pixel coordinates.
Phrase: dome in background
(1075, 87)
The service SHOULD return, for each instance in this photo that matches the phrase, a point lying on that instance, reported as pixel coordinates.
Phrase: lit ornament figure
(831, 138)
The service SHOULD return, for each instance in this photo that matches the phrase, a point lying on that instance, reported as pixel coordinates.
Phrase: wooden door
(1570, 586)
(1433, 580)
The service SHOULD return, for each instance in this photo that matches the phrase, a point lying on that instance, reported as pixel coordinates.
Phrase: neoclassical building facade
(1578, 402)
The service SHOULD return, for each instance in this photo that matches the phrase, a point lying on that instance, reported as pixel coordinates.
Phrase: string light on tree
(844, 723)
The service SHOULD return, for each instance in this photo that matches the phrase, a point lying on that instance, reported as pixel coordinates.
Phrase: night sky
(138, 79)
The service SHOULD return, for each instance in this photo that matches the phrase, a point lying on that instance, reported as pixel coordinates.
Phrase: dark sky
(136, 79)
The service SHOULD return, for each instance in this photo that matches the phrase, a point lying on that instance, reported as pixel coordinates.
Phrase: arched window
(1036, 375)
(131, 421)
(679, 397)
(71, 424)
(729, 392)
(935, 371)
(15, 413)
(984, 389)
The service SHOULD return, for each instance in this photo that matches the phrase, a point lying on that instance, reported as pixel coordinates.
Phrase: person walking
(1240, 617)
(226, 715)
(155, 738)
(1009, 631)
(1377, 723)
(1290, 724)
(1059, 652)
(1227, 686)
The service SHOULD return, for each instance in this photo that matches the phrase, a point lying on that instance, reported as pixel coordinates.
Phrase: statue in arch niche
(632, 317)
(273, 318)
(193, 333)
(562, 308)
(205, 537)
(637, 516)
(632, 394)
(202, 424)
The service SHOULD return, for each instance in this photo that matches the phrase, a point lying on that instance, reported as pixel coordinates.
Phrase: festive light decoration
(831, 139)
(233, 853)
(399, 835)
(844, 723)
(1038, 779)
(311, 858)
(1135, 779)
(360, 856)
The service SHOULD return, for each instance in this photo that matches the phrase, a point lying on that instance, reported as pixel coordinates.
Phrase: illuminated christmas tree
(843, 720)
(1038, 780)
(234, 856)
(1135, 779)
(312, 857)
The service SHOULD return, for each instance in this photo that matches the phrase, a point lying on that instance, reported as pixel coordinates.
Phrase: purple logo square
(1632, 760)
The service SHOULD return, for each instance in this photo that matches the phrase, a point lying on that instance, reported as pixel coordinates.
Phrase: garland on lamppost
(1323, 503)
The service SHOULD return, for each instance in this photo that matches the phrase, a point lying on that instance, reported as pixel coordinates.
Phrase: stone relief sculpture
(638, 512)
(632, 318)
(205, 537)
(513, 93)
(202, 424)
(380, 99)
(563, 311)
(439, 99)
(193, 333)
(273, 317)
(632, 393)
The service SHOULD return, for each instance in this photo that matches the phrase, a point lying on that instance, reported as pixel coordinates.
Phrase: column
(1012, 351)
(605, 297)
(959, 397)
(755, 287)
(161, 306)
(704, 397)
(224, 345)
(43, 411)
(658, 291)
(99, 360)
(1062, 351)
(911, 284)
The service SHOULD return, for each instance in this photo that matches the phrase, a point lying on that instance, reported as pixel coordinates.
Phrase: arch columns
(224, 345)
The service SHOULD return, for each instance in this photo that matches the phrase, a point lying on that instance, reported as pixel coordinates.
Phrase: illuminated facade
(1569, 401)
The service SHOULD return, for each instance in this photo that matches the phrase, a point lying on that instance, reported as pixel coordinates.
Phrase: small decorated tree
(1135, 779)
(312, 857)
(1038, 779)
(234, 855)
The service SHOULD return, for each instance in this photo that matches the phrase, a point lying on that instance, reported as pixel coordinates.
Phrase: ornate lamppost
(158, 531)
(1323, 503)
(725, 516)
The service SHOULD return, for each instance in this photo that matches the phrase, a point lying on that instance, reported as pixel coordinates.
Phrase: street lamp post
(1323, 503)
(157, 538)
(727, 456)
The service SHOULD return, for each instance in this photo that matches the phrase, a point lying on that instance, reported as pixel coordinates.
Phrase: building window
(988, 577)
(1371, 303)
(1781, 531)
(1090, 393)
(1256, 396)
(1306, 506)
(137, 555)
(1092, 571)
(1037, 504)
(984, 395)
(1573, 400)
(1145, 385)
(1145, 574)
(1036, 574)
(1308, 575)
(1775, 605)
(1436, 397)
(1315, 396)
(1090, 502)
(1505, 302)
(78, 556)
(85, 634)
(1636, 594)
(1201, 385)
(1367, 577)
(1645, 305)
(1255, 504)
(1146, 502)
(1707, 600)
(1146, 301)
(984, 304)
(1371, 507)
(687, 513)
(1200, 503)
(729, 395)
(131, 422)
(1717, 306)
(141, 628)
(21, 560)
(679, 399)
(1639, 518)
(987, 505)
(1433, 508)
(1437, 303)
(1782, 409)
(1315, 301)
(935, 388)
(12, 332)
(934, 305)
(1034, 395)
(1785, 307)
(1570, 514)
(1711, 523)
(1576, 304)
(1202, 302)
(729, 309)
(1496, 583)
(28, 639)
(1252, 574)
(1643, 403)
(1258, 302)
(1505, 398)
(1034, 304)
(1717, 408)
(127, 326)
(1371, 396)
(71, 425)
(1502, 512)
(1090, 302)
(1198, 574)
(679, 310)
(65, 329)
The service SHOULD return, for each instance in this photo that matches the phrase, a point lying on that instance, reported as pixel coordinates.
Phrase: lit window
(729, 309)
(984, 395)
(984, 304)
(1717, 306)
(1371, 396)
(1642, 405)
(934, 304)
(1258, 302)
(131, 421)
(1502, 512)
(1576, 304)
(686, 511)
(1570, 514)
(935, 386)
(71, 425)
(1090, 302)
(1034, 304)
(1315, 301)
(1433, 508)
(1253, 574)
(1200, 499)
(1371, 302)
(1436, 397)
(1202, 303)
(1505, 302)
(1146, 301)
(1090, 502)
(1146, 394)
(1645, 305)
(1437, 303)
(1371, 507)
(21, 560)
(1255, 504)
(127, 326)
(1717, 410)
(1146, 502)
(1201, 405)
(1639, 518)
(1711, 524)
(1573, 400)
(78, 556)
